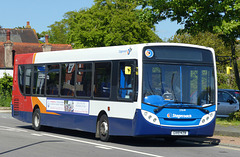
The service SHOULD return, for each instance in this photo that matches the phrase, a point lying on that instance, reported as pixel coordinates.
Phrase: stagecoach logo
(149, 53)
(128, 51)
(170, 115)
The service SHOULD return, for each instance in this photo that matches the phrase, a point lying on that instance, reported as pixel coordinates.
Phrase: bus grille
(16, 107)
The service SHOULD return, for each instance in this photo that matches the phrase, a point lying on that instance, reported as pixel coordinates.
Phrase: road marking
(229, 147)
(37, 134)
(5, 128)
(102, 145)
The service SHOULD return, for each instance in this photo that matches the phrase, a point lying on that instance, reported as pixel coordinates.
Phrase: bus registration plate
(179, 133)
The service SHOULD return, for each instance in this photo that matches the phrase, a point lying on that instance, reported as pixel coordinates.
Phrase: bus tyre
(104, 128)
(36, 120)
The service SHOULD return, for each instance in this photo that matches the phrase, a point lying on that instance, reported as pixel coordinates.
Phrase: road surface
(19, 139)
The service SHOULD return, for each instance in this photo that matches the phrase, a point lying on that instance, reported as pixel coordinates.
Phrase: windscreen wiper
(158, 107)
(149, 104)
(192, 107)
(176, 102)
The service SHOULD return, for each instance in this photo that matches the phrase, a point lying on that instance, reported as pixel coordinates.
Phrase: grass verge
(226, 122)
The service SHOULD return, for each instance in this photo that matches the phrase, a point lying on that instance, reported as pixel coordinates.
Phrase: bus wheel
(104, 128)
(36, 119)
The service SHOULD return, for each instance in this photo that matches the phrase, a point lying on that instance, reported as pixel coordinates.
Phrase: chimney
(46, 47)
(8, 35)
(8, 46)
(46, 39)
(28, 25)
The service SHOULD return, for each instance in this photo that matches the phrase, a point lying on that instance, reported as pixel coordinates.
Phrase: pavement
(223, 135)
(5, 109)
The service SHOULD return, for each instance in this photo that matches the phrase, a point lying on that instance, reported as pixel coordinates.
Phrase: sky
(43, 13)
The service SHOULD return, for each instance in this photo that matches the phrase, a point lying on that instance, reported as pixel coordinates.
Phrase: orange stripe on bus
(34, 57)
(43, 109)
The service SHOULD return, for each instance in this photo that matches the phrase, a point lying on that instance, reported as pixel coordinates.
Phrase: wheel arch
(97, 122)
(35, 107)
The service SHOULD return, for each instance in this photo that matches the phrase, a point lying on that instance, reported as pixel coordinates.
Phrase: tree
(216, 16)
(109, 23)
(58, 32)
(106, 23)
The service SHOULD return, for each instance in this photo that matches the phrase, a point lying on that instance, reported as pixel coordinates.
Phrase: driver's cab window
(163, 81)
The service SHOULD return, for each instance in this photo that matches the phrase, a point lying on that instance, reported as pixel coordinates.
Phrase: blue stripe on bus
(121, 127)
(139, 126)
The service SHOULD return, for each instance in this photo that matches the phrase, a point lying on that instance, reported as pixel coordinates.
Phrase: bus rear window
(21, 78)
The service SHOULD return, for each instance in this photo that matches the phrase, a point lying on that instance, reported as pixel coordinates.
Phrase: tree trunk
(235, 65)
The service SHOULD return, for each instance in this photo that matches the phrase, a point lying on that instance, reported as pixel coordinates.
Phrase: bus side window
(39, 79)
(126, 72)
(84, 79)
(68, 79)
(53, 79)
(102, 79)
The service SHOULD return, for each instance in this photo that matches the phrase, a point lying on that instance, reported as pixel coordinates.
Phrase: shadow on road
(29, 145)
(134, 141)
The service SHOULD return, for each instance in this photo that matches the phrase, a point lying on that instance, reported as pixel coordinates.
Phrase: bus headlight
(207, 118)
(150, 117)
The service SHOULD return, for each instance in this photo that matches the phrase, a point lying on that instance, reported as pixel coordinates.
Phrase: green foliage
(107, 23)
(226, 81)
(57, 33)
(5, 90)
(218, 16)
(235, 116)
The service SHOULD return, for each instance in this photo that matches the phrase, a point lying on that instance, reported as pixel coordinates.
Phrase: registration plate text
(179, 133)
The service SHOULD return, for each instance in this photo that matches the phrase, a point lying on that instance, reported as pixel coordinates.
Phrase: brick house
(19, 41)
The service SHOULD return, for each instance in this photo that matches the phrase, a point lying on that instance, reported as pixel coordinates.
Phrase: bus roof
(94, 54)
